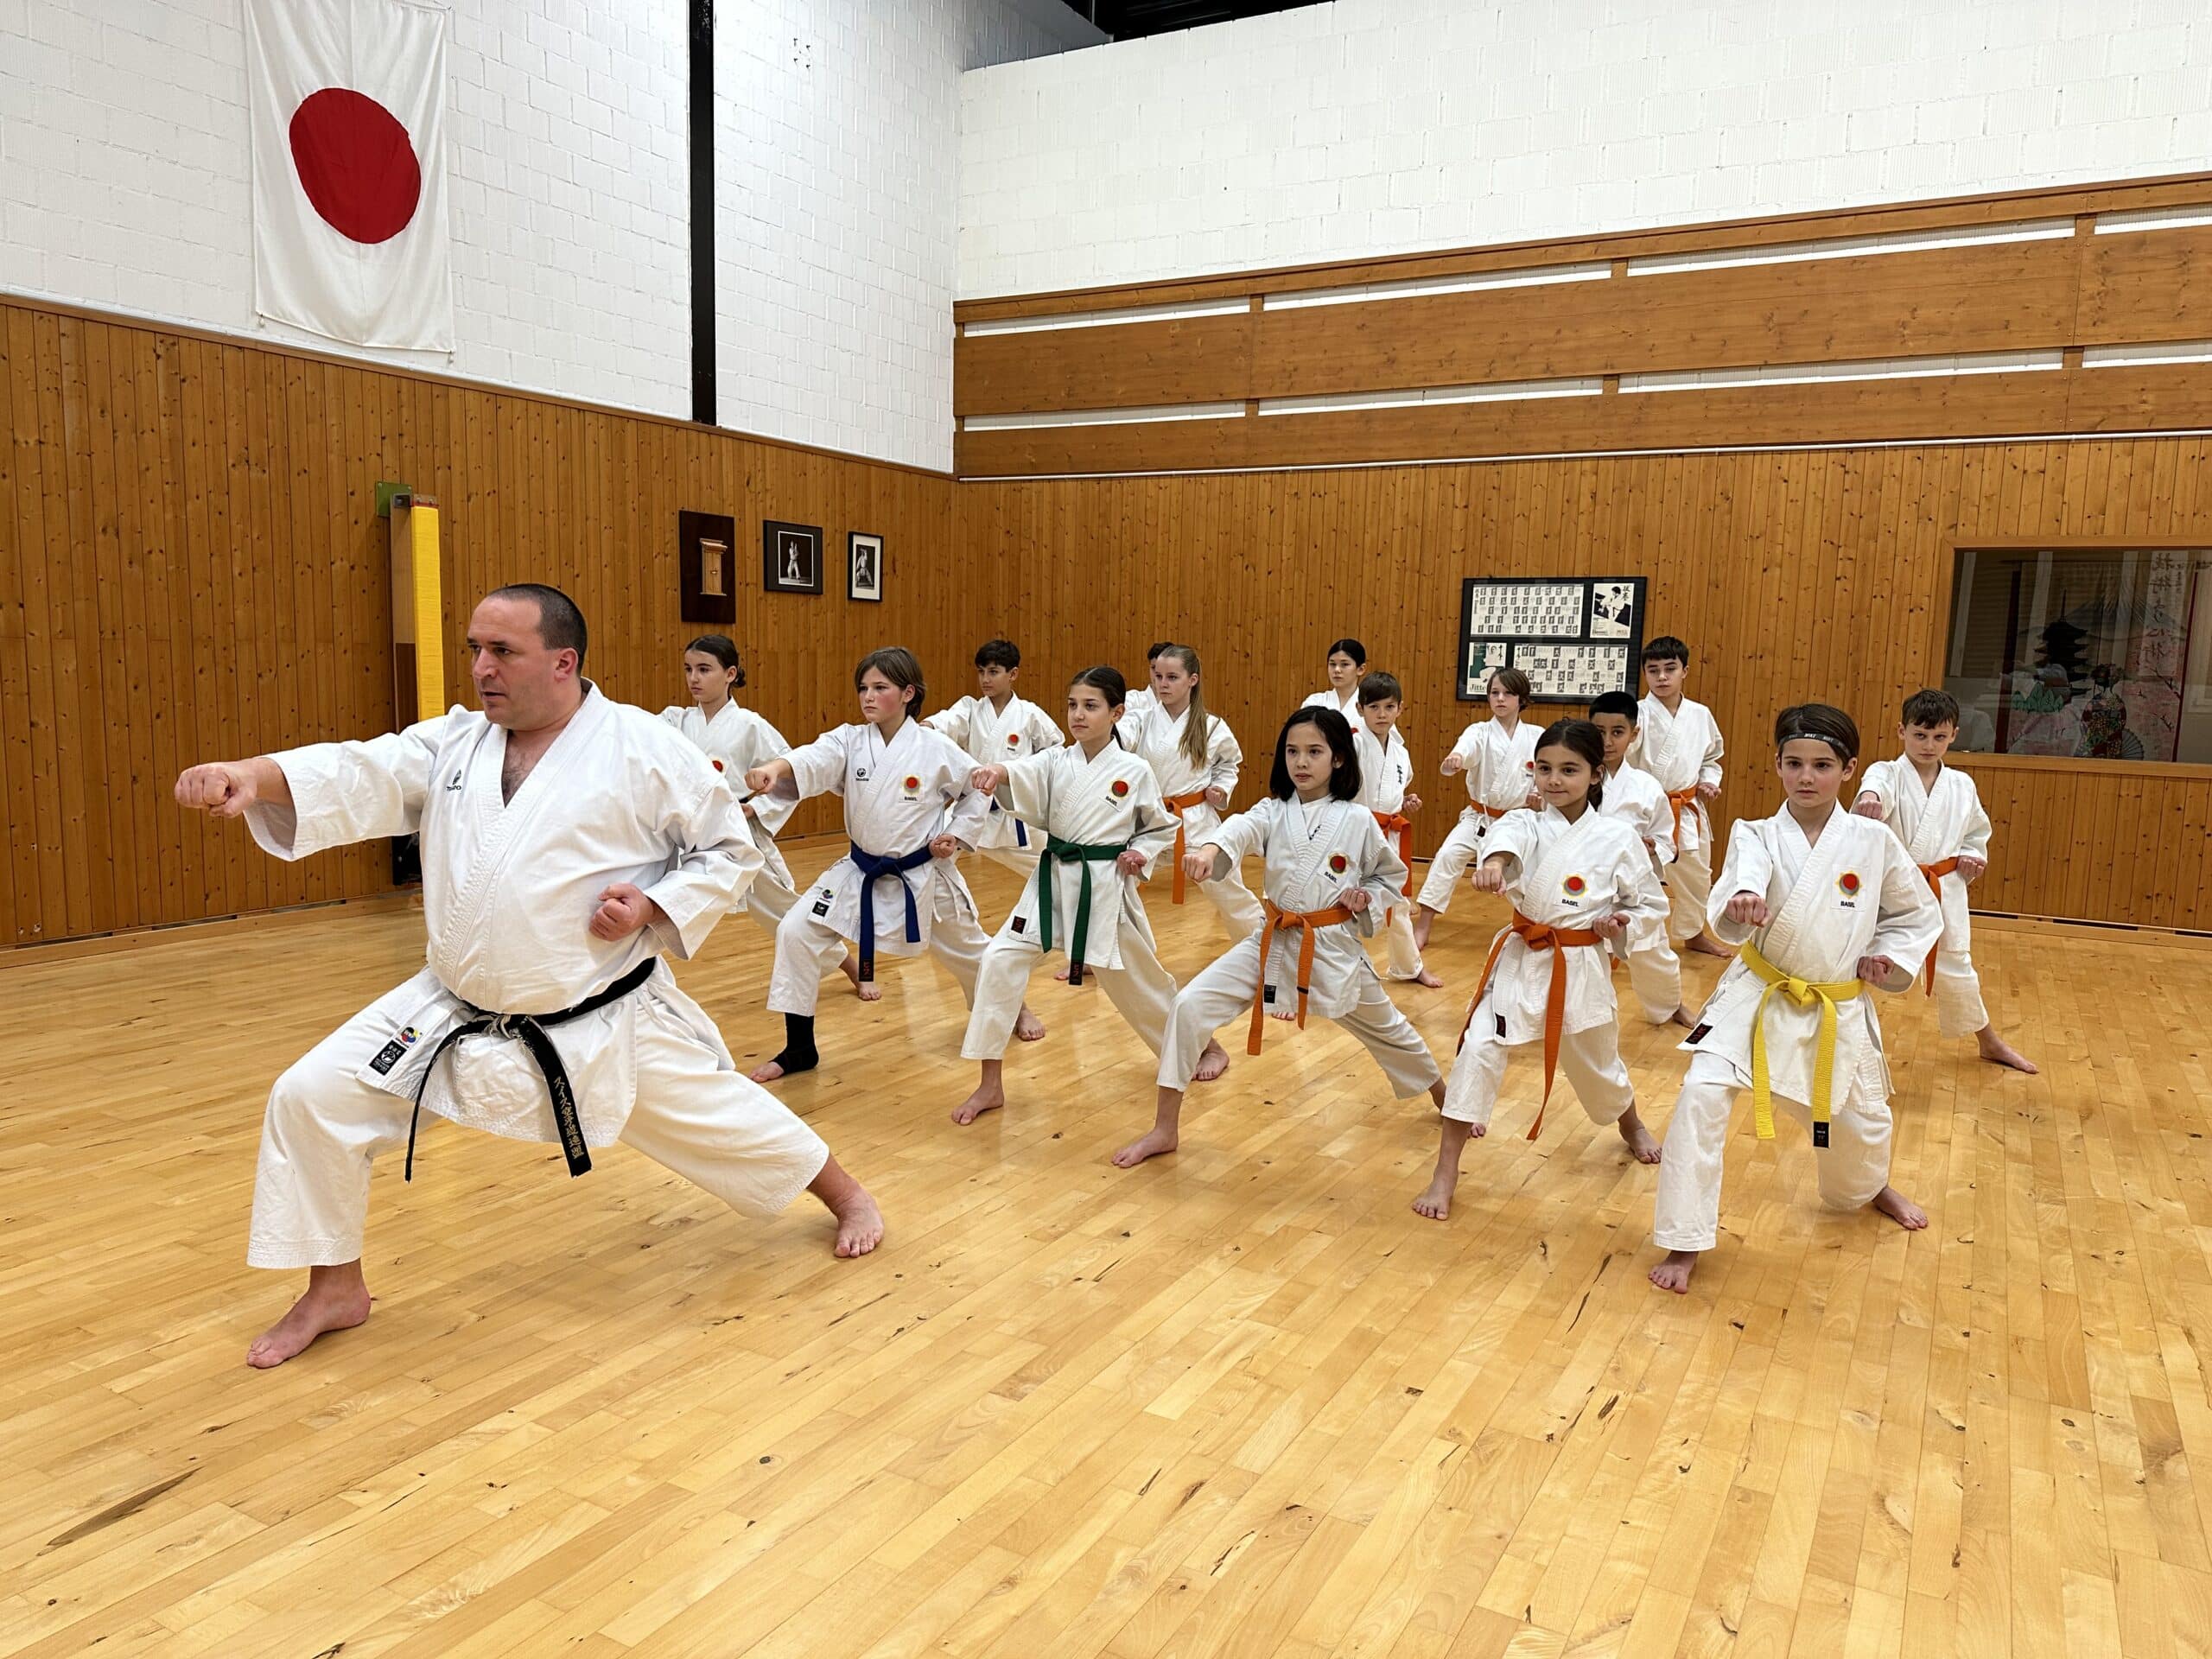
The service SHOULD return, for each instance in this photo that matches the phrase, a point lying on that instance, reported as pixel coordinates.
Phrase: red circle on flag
(356, 164)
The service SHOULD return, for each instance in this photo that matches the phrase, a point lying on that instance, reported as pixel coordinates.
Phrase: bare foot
(859, 1223)
(1997, 1052)
(1422, 923)
(868, 990)
(1425, 977)
(1900, 1209)
(1638, 1138)
(1674, 1272)
(1705, 946)
(850, 968)
(767, 1072)
(988, 1098)
(1435, 1201)
(336, 1299)
(1213, 1060)
(1028, 1027)
(1283, 1016)
(1062, 976)
(1683, 1018)
(1146, 1146)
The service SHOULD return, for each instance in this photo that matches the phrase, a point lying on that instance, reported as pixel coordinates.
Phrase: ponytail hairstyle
(1823, 724)
(1349, 648)
(1336, 731)
(1196, 748)
(1579, 737)
(723, 650)
(1108, 682)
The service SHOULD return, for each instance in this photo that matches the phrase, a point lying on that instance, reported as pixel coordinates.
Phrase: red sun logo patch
(1014, 740)
(913, 783)
(1847, 884)
(1120, 787)
(716, 764)
(1339, 863)
(1575, 886)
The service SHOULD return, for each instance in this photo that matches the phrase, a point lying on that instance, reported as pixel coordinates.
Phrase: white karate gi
(1857, 893)
(1386, 772)
(1570, 875)
(1092, 803)
(1655, 972)
(1945, 823)
(1157, 738)
(509, 889)
(735, 741)
(1680, 751)
(899, 797)
(1347, 705)
(995, 736)
(1141, 700)
(1501, 767)
(1315, 854)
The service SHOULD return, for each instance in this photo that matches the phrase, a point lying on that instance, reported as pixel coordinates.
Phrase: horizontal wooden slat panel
(1184, 361)
(2146, 285)
(1818, 574)
(1827, 412)
(2006, 296)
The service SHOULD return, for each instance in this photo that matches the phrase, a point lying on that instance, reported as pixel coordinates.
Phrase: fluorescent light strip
(2138, 357)
(1895, 368)
(1415, 288)
(1851, 247)
(1103, 417)
(1106, 319)
(2153, 219)
(1497, 391)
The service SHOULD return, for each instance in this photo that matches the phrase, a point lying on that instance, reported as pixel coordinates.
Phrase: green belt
(1084, 856)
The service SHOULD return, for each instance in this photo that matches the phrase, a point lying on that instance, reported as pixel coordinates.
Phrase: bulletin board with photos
(1574, 637)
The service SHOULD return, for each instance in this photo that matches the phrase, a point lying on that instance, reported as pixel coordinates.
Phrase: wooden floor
(1241, 1401)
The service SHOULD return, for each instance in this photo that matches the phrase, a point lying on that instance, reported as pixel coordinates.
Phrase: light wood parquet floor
(1238, 1403)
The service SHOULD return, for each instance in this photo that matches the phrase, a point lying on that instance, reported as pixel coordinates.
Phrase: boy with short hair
(1936, 811)
(1385, 769)
(996, 725)
(1654, 971)
(1678, 742)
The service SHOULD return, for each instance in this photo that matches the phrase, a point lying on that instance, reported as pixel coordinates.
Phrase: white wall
(836, 155)
(124, 184)
(1380, 126)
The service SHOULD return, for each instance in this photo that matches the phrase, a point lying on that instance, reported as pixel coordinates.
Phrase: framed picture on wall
(706, 562)
(864, 562)
(790, 558)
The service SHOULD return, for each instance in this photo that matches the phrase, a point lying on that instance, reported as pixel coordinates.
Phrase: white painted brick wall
(1367, 127)
(124, 184)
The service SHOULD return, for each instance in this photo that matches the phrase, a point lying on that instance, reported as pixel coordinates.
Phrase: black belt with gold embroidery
(530, 1029)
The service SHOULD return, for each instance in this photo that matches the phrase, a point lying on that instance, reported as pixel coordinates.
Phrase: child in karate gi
(1386, 770)
(1498, 755)
(1822, 905)
(1633, 796)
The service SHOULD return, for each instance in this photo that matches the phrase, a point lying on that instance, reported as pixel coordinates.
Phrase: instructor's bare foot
(1027, 1026)
(859, 1223)
(1146, 1146)
(1638, 1138)
(1705, 946)
(336, 1299)
(1997, 1052)
(1899, 1209)
(1213, 1060)
(1674, 1272)
(988, 1098)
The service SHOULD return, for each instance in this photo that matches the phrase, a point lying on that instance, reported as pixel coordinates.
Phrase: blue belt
(1021, 830)
(872, 870)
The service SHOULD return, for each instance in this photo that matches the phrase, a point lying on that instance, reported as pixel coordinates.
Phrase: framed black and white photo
(790, 558)
(864, 566)
(1573, 636)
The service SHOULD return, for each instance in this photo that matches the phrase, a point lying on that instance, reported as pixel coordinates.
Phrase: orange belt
(1536, 937)
(1396, 824)
(1283, 921)
(1679, 798)
(1175, 804)
(1936, 872)
(1488, 811)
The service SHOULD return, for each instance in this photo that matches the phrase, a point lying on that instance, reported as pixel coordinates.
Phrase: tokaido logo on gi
(454, 782)
(390, 1054)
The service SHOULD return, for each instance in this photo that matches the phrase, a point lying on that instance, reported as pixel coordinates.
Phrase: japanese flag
(348, 102)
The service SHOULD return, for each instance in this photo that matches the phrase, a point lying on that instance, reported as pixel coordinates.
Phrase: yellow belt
(1805, 993)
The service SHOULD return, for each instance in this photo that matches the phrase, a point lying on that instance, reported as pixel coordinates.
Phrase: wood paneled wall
(2080, 290)
(1812, 573)
(191, 567)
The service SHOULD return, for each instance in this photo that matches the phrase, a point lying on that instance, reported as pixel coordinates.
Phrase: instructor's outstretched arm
(224, 789)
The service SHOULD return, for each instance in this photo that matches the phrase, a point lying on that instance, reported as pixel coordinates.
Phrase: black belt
(531, 1029)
